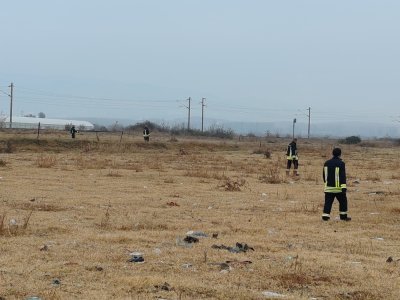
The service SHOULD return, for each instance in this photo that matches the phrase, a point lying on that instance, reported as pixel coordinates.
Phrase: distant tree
(351, 140)
(41, 115)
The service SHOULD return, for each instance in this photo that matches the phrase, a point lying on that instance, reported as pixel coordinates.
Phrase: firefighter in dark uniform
(146, 134)
(334, 175)
(73, 131)
(292, 157)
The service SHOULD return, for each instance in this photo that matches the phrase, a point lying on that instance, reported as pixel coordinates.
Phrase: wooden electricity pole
(11, 86)
(202, 113)
(309, 121)
(188, 107)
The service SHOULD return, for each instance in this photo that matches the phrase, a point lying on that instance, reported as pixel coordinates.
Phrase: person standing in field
(146, 134)
(73, 131)
(334, 175)
(292, 157)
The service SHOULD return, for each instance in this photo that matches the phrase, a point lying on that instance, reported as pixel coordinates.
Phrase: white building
(29, 122)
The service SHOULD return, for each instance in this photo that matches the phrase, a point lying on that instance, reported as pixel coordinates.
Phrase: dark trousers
(342, 198)
(295, 164)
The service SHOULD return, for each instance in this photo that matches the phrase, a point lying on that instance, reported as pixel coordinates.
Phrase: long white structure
(29, 122)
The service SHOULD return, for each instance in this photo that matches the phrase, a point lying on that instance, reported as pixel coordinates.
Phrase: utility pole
(202, 113)
(11, 86)
(188, 126)
(294, 121)
(309, 121)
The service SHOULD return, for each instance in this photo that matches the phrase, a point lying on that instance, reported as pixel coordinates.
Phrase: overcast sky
(252, 60)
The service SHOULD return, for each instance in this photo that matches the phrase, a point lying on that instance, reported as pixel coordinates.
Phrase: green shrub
(351, 140)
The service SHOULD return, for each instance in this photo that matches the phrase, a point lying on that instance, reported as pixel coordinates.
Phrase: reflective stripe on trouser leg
(326, 217)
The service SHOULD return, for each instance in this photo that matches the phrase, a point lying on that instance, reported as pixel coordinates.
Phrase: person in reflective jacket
(334, 175)
(291, 155)
(146, 134)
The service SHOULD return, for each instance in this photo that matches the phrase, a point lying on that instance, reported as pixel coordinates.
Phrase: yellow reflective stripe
(326, 176)
(343, 213)
(343, 186)
(332, 189)
(326, 215)
(337, 177)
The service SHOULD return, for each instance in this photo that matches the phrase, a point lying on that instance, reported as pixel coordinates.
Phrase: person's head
(336, 152)
(295, 140)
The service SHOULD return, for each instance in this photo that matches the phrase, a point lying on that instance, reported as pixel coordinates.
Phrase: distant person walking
(292, 157)
(73, 131)
(146, 134)
(334, 175)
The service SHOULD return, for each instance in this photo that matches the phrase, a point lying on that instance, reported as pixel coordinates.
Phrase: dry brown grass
(94, 201)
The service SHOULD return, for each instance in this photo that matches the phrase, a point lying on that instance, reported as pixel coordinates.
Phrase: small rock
(187, 266)
(389, 259)
(215, 235)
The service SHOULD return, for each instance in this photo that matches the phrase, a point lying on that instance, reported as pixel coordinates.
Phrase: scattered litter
(387, 182)
(264, 194)
(355, 262)
(236, 249)
(272, 294)
(222, 266)
(374, 213)
(196, 234)
(44, 248)
(290, 257)
(191, 239)
(13, 222)
(56, 282)
(33, 298)
(180, 242)
(172, 203)
(164, 287)
(215, 235)
(157, 251)
(239, 262)
(210, 207)
(187, 266)
(272, 231)
(378, 238)
(136, 257)
(391, 259)
(377, 193)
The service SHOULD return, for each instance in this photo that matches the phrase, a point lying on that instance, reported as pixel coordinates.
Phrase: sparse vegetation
(95, 200)
(351, 140)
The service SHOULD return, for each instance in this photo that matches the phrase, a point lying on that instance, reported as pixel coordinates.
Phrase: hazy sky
(252, 60)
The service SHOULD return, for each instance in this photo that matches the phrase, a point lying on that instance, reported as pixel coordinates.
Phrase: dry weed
(46, 161)
(113, 173)
(234, 185)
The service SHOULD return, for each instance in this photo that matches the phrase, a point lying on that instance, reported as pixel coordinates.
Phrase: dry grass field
(72, 211)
